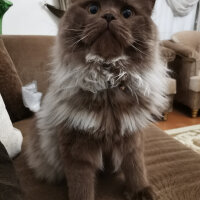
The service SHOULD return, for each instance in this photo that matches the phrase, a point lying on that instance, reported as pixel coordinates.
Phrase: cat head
(108, 28)
(110, 45)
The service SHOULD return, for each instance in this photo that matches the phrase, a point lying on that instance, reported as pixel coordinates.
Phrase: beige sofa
(173, 169)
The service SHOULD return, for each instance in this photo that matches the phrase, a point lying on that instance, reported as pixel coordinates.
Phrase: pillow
(10, 137)
(10, 87)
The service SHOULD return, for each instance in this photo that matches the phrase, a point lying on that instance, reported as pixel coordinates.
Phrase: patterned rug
(189, 136)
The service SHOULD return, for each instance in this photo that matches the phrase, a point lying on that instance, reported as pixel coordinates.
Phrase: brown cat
(107, 82)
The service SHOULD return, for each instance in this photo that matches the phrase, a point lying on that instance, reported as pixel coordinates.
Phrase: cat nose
(108, 17)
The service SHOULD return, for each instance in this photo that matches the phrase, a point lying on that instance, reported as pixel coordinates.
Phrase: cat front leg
(137, 185)
(81, 158)
(80, 180)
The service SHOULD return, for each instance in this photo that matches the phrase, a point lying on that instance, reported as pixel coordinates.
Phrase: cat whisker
(73, 39)
(141, 42)
(72, 29)
(138, 43)
(138, 49)
(136, 96)
(81, 39)
(134, 93)
(77, 42)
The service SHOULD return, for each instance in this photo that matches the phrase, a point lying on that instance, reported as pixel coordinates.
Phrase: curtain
(197, 25)
(64, 4)
(168, 23)
(182, 7)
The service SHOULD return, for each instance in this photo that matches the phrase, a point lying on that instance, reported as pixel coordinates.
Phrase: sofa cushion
(173, 170)
(10, 87)
(171, 86)
(194, 83)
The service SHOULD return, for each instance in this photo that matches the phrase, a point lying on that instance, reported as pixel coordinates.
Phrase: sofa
(186, 68)
(172, 168)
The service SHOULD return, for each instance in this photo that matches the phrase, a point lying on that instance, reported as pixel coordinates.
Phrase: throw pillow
(10, 137)
(11, 87)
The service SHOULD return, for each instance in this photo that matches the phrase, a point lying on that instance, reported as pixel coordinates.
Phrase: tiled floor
(180, 117)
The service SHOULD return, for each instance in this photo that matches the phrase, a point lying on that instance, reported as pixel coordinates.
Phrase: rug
(189, 136)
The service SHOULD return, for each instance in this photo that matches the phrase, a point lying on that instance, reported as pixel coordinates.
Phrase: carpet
(189, 136)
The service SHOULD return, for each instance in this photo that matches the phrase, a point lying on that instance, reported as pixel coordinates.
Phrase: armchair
(186, 68)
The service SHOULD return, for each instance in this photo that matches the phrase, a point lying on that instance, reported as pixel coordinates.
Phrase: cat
(107, 83)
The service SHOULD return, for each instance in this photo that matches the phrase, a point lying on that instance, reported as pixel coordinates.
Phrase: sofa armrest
(181, 50)
(168, 55)
(194, 84)
(31, 56)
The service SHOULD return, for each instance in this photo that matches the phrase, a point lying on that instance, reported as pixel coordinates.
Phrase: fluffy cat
(106, 85)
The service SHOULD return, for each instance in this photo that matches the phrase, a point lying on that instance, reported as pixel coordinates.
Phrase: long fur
(103, 91)
(66, 81)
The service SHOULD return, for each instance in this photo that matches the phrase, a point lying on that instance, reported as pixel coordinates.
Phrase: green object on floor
(4, 6)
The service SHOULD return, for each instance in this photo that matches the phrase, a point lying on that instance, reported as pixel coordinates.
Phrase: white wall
(30, 17)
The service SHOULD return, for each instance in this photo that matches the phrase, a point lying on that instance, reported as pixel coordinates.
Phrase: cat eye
(93, 8)
(127, 13)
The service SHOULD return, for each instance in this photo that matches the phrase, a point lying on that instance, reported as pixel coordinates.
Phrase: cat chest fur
(109, 112)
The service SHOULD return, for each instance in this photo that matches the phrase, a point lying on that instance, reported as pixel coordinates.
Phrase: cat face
(108, 28)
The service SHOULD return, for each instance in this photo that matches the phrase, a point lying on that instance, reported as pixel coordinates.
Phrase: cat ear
(148, 5)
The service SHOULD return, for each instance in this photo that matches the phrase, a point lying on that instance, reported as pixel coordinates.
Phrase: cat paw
(144, 194)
